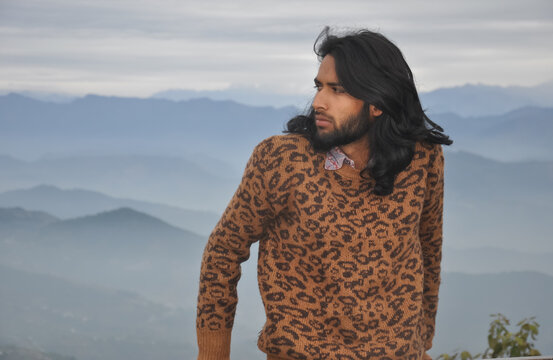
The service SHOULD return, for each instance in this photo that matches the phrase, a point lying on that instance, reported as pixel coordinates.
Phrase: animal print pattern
(344, 274)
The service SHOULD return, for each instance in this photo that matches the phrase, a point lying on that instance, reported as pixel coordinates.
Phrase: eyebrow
(329, 84)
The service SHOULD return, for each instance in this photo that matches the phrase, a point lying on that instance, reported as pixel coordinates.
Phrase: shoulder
(430, 154)
(281, 145)
(285, 154)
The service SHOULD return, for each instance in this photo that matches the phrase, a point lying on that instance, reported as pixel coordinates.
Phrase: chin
(323, 132)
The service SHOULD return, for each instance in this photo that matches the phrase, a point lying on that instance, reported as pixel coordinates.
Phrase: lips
(322, 121)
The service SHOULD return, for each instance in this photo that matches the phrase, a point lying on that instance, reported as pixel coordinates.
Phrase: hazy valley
(106, 204)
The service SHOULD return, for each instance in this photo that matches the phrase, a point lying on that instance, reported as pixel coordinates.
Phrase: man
(347, 208)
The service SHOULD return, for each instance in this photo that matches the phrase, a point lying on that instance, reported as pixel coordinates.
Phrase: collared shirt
(335, 158)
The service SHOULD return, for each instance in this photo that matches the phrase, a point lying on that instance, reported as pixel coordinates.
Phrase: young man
(347, 208)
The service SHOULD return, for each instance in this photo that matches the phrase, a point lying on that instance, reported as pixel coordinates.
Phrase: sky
(140, 47)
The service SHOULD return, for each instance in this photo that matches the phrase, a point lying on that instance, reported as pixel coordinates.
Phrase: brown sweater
(343, 273)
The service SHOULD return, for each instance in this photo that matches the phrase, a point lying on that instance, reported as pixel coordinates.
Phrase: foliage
(463, 355)
(502, 342)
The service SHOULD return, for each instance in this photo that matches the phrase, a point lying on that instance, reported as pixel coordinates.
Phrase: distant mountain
(122, 227)
(88, 322)
(122, 248)
(102, 125)
(467, 301)
(12, 352)
(45, 96)
(493, 204)
(488, 203)
(218, 136)
(68, 203)
(15, 218)
(246, 96)
(466, 100)
(25, 218)
(522, 134)
(93, 323)
(480, 260)
(484, 100)
(167, 180)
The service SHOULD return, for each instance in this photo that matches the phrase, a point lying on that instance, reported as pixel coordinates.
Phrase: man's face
(340, 118)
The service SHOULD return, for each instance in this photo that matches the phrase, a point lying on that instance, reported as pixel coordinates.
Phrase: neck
(358, 151)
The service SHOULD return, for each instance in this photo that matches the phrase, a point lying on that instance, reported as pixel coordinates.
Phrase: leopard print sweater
(343, 273)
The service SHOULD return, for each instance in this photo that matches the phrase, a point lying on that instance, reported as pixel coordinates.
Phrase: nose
(319, 101)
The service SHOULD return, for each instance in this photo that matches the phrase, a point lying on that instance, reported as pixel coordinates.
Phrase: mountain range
(519, 135)
(167, 180)
(216, 133)
(106, 204)
(465, 100)
(12, 352)
(70, 203)
(122, 249)
(482, 207)
(88, 322)
(121, 279)
(99, 125)
(476, 100)
(92, 323)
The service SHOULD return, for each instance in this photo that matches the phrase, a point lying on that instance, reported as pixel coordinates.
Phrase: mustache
(322, 115)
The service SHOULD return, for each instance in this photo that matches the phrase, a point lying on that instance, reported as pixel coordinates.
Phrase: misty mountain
(12, 352)
(167, 180)
(93, 323)
(488, 203)
(497, 218)
(114, 249)
(483, 100)
(68, 203)
(473, 174)
(89, 322)
(493, 204)
(522, 134)
(466, 100)
(44, 96)
(220, 135)
(99, 125)
(14, 219)
(467, 301)
(122, 228)
(246, 96)
(122, 249)
(481, 260)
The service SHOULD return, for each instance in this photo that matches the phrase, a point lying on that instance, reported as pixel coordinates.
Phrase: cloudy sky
(139, 47)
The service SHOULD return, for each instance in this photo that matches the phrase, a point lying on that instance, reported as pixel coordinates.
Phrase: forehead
(327, 70)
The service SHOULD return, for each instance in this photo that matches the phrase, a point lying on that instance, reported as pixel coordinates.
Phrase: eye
(338, 90)
(317, 87)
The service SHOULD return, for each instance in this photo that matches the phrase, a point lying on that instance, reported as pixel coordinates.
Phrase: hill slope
(122, 249)
(69, 203)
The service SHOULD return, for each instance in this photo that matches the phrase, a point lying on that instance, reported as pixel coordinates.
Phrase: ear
(374, 111)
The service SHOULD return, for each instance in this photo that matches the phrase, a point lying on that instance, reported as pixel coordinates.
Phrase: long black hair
(371, 68)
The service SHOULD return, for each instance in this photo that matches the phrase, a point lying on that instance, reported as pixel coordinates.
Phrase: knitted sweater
(343, 273)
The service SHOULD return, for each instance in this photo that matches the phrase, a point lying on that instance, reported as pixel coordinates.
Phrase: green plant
(502, 342)
(463, 355)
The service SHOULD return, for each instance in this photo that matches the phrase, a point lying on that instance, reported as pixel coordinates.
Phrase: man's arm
(241, 224)
(430, 233)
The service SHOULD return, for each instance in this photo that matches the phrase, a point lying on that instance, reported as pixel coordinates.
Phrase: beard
(353, 128)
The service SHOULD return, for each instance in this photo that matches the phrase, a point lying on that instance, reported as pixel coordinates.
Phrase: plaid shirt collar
(335, 158)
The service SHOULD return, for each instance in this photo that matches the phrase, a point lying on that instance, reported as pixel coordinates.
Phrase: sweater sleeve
(242, 223)
(430, 233)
